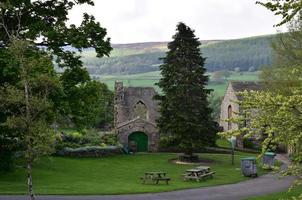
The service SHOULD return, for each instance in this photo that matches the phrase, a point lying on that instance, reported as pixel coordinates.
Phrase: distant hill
(247, 54)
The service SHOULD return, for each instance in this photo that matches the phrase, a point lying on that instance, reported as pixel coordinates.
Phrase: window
(229, 117)
(140, 110)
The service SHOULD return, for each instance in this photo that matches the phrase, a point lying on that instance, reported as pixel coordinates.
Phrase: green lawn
(280, 195)
(221, 142)
(114, 175)
(149, 79)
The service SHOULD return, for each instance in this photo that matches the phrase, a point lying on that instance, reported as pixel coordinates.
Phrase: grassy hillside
(149, 79)
(245, 54)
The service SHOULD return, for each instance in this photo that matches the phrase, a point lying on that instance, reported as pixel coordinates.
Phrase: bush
(90, 151)
(110, 139)
(248, 143)
(91, 137)
(168, 141)
(7, 160)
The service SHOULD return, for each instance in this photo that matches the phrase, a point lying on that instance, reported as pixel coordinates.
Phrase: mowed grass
(280, 195)
(221, 142)
(149, 79)
(114, 175)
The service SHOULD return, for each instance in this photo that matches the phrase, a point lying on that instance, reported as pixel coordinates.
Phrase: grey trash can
(249, 166)
(269, 159)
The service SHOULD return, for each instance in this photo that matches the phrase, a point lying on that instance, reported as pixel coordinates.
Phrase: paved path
(259, 186)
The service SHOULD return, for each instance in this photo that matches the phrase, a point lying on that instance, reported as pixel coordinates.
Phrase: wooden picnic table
(155, 174)
(155, 177)
(205, 168)
(198, 173)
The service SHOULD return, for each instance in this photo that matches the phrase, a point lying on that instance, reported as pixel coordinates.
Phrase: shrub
(7, 160)
(168, 141)
(248, 143)
(110, 139)
(91, 137)
(90, 151)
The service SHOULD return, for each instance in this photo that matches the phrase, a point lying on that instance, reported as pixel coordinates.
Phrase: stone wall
(126, 121)
(230, 99)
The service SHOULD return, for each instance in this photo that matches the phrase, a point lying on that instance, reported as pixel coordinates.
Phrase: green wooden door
(141, 141)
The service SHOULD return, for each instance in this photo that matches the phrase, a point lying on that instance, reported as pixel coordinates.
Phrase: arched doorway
(138, 141)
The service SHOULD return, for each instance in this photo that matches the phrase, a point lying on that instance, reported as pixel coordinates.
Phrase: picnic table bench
(198, 173)
(155, 177)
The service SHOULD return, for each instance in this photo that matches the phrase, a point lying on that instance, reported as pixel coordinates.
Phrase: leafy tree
(215, 103)
(288, 9)
(285, 72)
(48, 28)
(99, 99)
(184, 108)
(42, 29)
(276, 112)
(28, 105)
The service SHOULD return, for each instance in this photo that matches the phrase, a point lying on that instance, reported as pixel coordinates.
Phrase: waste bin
(269, 159)
(248, 166)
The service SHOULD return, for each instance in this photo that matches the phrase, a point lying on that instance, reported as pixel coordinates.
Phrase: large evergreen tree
(184, 108)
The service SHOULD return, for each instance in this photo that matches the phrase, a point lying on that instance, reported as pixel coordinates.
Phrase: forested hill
(246, 54)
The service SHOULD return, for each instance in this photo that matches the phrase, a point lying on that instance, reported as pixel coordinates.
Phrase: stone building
(230, 107)
(135, 117)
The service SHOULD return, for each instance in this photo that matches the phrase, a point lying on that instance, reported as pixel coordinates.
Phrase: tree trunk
(29, 143)
(30, 180)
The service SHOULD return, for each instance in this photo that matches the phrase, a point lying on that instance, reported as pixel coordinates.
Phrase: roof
(240, 86)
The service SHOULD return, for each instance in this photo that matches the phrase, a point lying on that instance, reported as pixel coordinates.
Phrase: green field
(115, 175)
(149, 79)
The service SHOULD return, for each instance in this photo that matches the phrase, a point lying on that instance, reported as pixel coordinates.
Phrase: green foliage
(248, 143)
(214, 103)
(131, 64)
(90, 104)
(7, 160)
(168, 141)
(90, 151)
(27, 105)
(222, 142)
(184, 107)
(275, 113)
(287, 9)
(286, 70)
(49, 26)
(87, 137)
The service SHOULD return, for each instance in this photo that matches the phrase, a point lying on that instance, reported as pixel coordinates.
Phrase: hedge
(90, 151)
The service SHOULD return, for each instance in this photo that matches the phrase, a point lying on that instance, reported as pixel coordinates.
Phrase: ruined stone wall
(229, 99)
(126, 120)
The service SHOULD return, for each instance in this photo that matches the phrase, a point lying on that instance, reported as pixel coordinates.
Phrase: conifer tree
(184, 107)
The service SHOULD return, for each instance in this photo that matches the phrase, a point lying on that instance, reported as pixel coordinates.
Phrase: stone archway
(138, 141)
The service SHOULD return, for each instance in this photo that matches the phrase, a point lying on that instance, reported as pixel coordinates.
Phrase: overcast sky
(129, 21)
